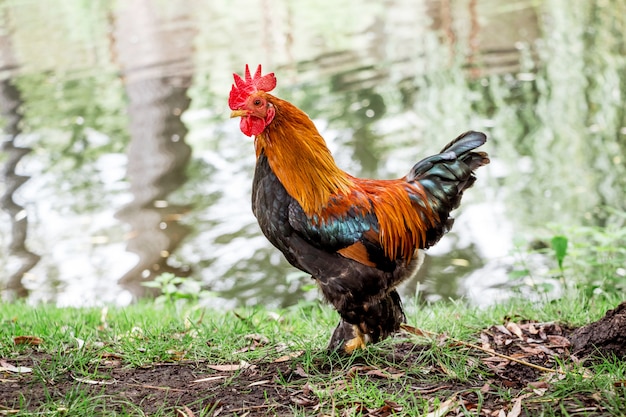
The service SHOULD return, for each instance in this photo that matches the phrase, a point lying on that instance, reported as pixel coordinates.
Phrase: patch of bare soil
(519, 358)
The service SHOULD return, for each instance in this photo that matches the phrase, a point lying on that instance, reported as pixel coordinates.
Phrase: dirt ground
(280, 387)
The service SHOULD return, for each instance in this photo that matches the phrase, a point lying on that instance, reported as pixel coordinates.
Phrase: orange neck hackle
(299, 157)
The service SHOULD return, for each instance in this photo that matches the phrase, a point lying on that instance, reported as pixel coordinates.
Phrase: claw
(358, 342)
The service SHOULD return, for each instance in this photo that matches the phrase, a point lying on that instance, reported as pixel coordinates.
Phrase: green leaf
(559, 244)
(519, 273)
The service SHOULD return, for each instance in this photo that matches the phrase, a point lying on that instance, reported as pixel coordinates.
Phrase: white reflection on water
(552, 128)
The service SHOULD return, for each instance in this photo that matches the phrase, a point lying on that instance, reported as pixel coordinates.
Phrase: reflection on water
(10, 107)
(10, 102)
(136, 168)
(154, 54)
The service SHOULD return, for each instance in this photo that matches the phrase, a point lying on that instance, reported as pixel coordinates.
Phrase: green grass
(78, 342)
(145, 332)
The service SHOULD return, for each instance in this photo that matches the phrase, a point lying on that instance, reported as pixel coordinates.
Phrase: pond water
(120, 161)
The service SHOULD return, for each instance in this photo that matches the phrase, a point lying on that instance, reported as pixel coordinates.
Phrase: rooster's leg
(348, 337)
(358, 342)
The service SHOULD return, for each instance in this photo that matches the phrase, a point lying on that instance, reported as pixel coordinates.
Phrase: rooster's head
(249, 101)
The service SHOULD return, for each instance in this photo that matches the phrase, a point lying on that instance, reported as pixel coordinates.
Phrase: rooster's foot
(358, 342)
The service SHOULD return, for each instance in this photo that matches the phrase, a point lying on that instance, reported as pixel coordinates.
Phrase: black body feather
(364, 295)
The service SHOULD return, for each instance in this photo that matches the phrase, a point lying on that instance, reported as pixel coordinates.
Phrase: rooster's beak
(238, 113)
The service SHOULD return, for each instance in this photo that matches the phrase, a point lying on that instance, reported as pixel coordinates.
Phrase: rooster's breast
(270, 205)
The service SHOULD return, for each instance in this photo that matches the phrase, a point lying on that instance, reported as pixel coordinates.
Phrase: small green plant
(559, 245)
(174, 288)
(595, 261)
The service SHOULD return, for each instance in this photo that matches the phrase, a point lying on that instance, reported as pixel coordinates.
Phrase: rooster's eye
(257, 102)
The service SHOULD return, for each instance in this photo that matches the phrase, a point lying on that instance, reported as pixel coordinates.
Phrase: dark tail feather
(465, 143)
(381, 319)
(446, 175)
(457, 150)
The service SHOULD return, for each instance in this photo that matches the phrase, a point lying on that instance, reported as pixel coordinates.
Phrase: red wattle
(251, 125)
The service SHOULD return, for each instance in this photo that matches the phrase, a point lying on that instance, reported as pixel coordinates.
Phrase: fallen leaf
(300, 372)
(289, 356)
(384, 374)
(515, 329)
(357, 409)
(274, 316)
(520, 355)
(469, 406)
(280, 347)
(547, 350)
(307, 389)
(252, 346)
(388, 408)
(27, 340)
(584, 410)
(498, 363)
(538, 384)
(416, 331)
(304, 400)
(558, 341)
(484, 339)
(542, 333)
(231, 367)
(184, 412)
(533, 350)
(79, 342)
(209, 378)
(443, 409)
(393, 405)
(532, 329)
(352, 372)
(263, 382)
(516, 410)
(6, 366)
(93, 381)
(503, 329)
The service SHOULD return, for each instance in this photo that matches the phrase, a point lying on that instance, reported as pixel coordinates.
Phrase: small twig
(492, 352)
(420, 332)
(156, 387)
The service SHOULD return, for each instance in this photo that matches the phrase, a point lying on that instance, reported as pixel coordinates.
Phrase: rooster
(358, 238)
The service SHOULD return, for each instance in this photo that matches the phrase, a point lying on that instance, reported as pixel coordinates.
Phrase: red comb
(244, 87)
